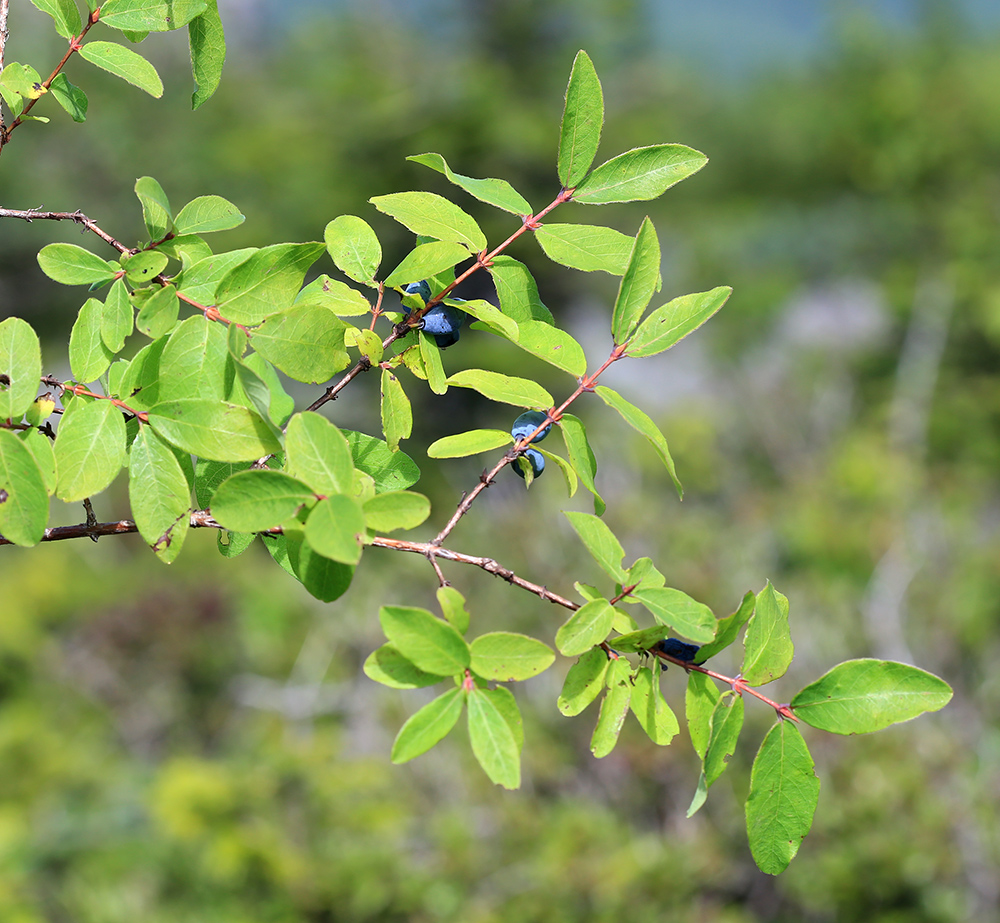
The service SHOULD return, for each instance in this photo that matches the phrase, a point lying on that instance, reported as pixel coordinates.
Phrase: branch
(32, 214)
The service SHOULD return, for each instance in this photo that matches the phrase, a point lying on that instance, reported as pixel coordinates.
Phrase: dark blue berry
(535, 459)
(444, 340)
(421, 288)
(443, 319)
(677, 649)
(527, 423)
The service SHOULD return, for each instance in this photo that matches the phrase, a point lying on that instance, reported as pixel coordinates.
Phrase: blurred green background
(198, 742)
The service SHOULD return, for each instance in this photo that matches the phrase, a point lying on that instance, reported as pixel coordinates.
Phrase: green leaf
(354, 248)
(206, 214)
(642, 424)
(208, 52)
(72, 265)
(452, 605)
(430, 643)
(724, 731)
(325, 579)
(517, 291)
(767, 645)
(471, 443)
(641, 640)
(683, 614)
(144, 266)
(431, 356)
(601, 542)
(581, 456)
(266, 283)
(700, 699)
(614, 708)
(642, 173)
(589, 625)
(318, 454)
(89, 448)
(200, 280)
(428, 726)
(194, 361)
(64, 13)
(258, 499)
(20, 366)
(586, 247)
(651, 709)
(521, 392)
(784, 792)
(89, 358)
(494, 741)
(233, 544)
(490, 317)
(336, 528)
(397, 416)
(158, 312)
(673, 321)
(700, 796)
(583, 117)
(639, 282)
(496, 192)
(208, 475)
(117, 319)
(387, 666)
(505, 656)
(862, 696)
(188, 249)
(728, 629)
(584, 682)
(397, 509)
(123, 62)
(552, 345)
(70, 97)
(40, 447)
(24, 501)
(390, 470)
(150, 15)
(156, 211)
(335, 296)
(431, 215)
(427, 260)
(306, 342)
(159, 494)
(212, 429)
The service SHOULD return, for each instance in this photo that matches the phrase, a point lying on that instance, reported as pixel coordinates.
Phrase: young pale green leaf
(200, 280)
(552, 345)
(40, 447)
(387, 666)
(25, 507)
(767, 645)
(651, 709)
(396, 509)
(586, 247)
(20, 366)
(431, 215)
(70, 97)
(700, 699)
(452, 605)
(390, 470)
(517, 291)
(642, 173)
(117, 319)
(504, 656)
(159, 494)
(728, 629)
(643, 575)
(258, 499)
(64, 13)
(144, 266)
(368, 343)
(583, 117)
(584, 682)
(89, 448)
(587, 626)
(641, 640)
(158, 311)
(89, 358)
(521, 392)
(123, 62)
(72, 265)
(208, 52)
(601, 542)
(354, 248)
(614, 708)
(431, 356)
(336, 528)
(306, 342)
(266, 283)
(862, 696)
(206, 214)
(471, 443)
(494, 741)
(642, 424)
(428, 726)
(188, 249)
(638, 284)
(156, 211)
(150, 15)
(397, 415)
(431, 644)
(784, 792)
(194, 361)
(426, 260)
(318, 454)
(497, 192)
(673, 321)
(724, 731)
(215, 430)
(683, 614)
(581, 456)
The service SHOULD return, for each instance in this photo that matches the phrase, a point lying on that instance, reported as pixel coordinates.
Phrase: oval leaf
(521, 392)
(505, 656)
(494, 742)
(642, 173)
(20, 366)
(471, 443)
(583, 117)
(428, 642)
(431, 215)
(24, 501)
(214, 429)
(354, 248)
(258, 499)
(123, 62)
(428, 726)
(589, 625)
(673, 321)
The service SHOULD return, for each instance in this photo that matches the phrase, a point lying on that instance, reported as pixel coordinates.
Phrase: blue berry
(527, 423)
(537, 461)
(444, 340)
(673, 647)
(421, 288)
(443, 319)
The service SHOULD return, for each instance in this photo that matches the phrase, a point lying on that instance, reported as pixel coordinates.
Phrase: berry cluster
(442, 321)
(523, 427)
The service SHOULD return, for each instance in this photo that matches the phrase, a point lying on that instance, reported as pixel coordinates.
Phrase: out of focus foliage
(194, 743)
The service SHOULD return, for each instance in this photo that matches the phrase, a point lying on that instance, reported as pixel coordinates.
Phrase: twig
(32, 214)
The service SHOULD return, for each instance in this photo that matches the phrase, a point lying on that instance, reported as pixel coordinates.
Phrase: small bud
(40, 410)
